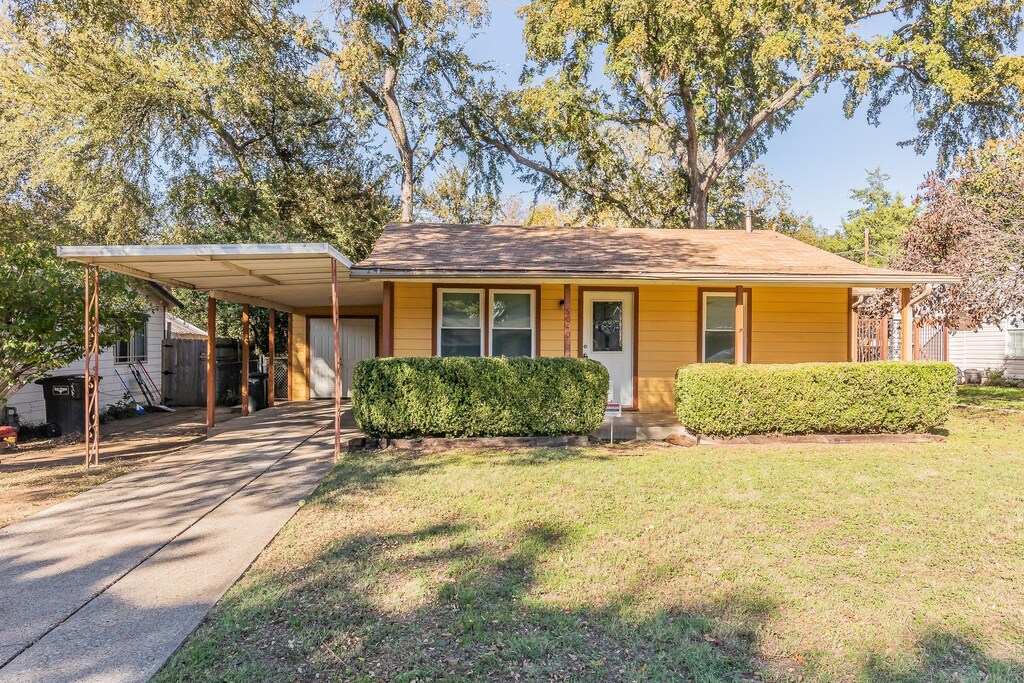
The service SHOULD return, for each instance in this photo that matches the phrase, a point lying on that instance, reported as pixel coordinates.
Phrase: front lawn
(991, 397)
(819, 563)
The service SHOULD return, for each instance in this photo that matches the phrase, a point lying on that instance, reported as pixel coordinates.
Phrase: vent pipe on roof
(748, 220)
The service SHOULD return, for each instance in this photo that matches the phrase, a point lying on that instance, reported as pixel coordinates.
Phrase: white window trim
(533, 318)
(704, 322)
(440, 314)
(1009, 343)
(132, 358)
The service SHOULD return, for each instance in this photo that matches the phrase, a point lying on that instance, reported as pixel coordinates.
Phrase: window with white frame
(509, 314)
(1015, 343)
(512, 325)
(132, 350)
(460, 329)
(718, 325)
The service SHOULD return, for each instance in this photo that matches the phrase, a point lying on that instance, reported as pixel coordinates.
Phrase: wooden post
(740, 325)
(272, 317)
(337, 360)
(92, 366)
(387, 321)
(211, 362)
(567, 318)
(245, 359)
(853, 323)
(906, 326)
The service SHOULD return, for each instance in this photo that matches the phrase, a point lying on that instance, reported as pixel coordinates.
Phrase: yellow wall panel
(413, 313)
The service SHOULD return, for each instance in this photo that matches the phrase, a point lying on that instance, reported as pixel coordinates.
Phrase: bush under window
(810, 398)
(464, 397)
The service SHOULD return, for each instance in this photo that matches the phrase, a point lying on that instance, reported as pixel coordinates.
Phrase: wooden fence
(184, 374)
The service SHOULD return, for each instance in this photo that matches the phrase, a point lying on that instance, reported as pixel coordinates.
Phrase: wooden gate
(184, 375)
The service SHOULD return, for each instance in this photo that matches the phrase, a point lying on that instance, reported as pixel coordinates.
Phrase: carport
(278, 277)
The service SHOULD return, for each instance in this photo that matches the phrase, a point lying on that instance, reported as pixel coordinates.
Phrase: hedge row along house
(642, 302)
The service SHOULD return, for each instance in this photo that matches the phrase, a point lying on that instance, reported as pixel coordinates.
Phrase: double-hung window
(133, 349)
(461, 326)
(512, 331)
(718, 327)
(1015, 343)
(486, 322)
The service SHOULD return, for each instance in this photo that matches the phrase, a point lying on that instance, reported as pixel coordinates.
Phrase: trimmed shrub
(808, 398)
(414, 397)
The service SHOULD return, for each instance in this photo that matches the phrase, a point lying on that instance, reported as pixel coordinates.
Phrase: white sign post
(612, 411)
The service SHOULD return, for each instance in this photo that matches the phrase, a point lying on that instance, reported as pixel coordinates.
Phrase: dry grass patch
(831, 563)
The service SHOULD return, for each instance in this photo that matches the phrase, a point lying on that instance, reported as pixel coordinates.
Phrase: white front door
(608, 339)
(358, 342)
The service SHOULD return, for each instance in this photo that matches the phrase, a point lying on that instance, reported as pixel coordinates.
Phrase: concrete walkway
(107, 585)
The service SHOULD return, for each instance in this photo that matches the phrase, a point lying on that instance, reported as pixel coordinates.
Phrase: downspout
(922, 296)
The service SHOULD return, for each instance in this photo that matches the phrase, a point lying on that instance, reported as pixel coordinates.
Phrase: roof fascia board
(82, 253)
(872, 280)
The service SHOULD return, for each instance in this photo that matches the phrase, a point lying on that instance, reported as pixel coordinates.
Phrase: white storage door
(358, 342)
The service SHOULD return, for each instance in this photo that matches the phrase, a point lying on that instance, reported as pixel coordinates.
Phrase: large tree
(184, 122)
(643, 107)
(42, 302)
(398, 62)
(973, 226)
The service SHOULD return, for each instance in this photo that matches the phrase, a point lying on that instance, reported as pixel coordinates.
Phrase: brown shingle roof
(432, 249)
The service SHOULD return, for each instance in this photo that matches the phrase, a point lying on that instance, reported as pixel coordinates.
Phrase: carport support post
(271, 316)
(337, 360)
(245, 359)
(211, 362)
(92, 366)
(906, 325)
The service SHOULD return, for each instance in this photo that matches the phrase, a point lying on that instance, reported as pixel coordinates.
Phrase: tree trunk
(408, 185)
(698, 207)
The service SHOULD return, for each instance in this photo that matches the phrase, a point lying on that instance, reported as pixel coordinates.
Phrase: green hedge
(413, 397)
(808, 398)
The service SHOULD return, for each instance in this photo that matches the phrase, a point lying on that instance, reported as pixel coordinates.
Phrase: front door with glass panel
(608, 339)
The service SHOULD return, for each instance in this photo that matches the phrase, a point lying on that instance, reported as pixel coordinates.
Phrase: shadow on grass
(445, 602)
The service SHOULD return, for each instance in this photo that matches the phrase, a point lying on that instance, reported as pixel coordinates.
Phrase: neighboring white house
(145, 348)
(992, 347)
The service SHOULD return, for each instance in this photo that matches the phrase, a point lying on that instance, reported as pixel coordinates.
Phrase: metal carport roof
(281, 276)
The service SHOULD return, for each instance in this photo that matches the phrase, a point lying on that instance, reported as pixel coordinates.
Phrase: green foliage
(42, 312)
(413, 397)
(885, 215)
(641, 108)
(182, 122)
(808, 398)
(122, 410)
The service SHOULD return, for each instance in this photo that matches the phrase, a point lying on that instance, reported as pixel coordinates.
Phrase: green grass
(819, 563)
(991, 397)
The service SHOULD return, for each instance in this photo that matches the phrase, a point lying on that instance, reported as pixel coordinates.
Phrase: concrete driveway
(107, 585)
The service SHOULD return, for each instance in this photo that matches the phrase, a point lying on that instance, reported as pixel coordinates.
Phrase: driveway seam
(157, 549)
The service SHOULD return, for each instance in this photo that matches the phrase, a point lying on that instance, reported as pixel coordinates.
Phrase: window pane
(719, 347)
(460, 342)
(607, 325)
(140, 345)
(512, 343)
(720, 313)
(1017, 343)
(121, 352)
(512, 310)
(460, 309)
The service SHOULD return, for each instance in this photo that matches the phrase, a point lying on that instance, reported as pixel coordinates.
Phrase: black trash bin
(65, 402)
(257, 391)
